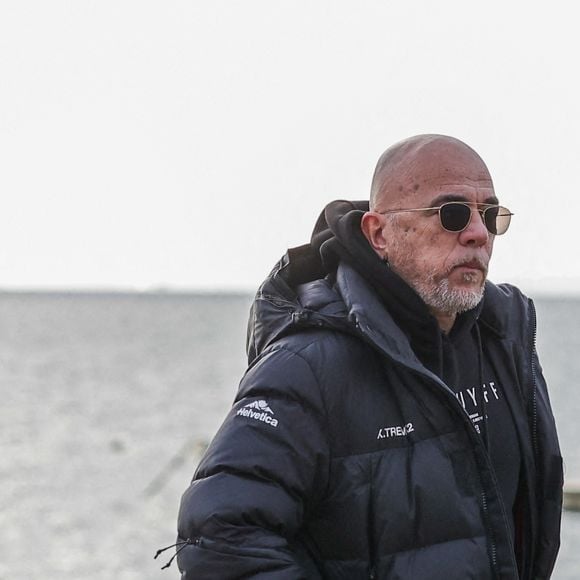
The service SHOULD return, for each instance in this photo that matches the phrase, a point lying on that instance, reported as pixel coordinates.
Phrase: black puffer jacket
(300, 483)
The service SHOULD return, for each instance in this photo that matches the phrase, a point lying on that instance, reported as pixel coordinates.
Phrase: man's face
(447, 269)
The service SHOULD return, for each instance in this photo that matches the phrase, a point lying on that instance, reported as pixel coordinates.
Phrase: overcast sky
(187, 144)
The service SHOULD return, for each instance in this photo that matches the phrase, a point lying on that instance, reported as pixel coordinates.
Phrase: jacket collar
(505, 312)
(498, 313)
(367, 312)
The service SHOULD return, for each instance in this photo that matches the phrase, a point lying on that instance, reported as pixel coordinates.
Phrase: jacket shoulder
(310, 351)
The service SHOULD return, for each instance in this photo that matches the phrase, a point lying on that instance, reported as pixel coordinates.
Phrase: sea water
(107, 401)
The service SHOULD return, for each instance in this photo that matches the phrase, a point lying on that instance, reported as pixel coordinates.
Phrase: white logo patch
(396, 431)
(261, 406)
(259, 411)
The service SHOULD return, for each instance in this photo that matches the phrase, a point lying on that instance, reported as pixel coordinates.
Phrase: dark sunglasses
(455, 216)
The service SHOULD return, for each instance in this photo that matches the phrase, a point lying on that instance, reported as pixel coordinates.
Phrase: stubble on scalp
(399, 169)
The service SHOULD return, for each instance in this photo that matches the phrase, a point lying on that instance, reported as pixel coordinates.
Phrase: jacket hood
(299, 290)
(297, 294)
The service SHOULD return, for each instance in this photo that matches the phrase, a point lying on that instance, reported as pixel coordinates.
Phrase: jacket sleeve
(550, 476)
(264, 470)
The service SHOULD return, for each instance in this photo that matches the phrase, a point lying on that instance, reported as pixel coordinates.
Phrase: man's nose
(475, 234)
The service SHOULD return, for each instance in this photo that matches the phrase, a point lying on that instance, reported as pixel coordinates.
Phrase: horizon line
(539, 291)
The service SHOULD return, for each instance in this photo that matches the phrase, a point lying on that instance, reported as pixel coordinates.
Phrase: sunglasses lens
(497, 220)
(454, 216)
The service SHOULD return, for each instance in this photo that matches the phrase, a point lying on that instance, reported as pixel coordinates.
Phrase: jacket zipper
(533, 372)
(493, 545)
(534, 376)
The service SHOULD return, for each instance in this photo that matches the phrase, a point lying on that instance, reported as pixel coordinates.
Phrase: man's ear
(372, 226)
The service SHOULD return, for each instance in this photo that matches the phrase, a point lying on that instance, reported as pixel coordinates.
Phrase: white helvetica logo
(259, 411)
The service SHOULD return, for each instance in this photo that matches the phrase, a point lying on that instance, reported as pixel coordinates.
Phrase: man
(393, 422)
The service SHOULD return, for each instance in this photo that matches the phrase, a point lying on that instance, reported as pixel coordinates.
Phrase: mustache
(471, 262)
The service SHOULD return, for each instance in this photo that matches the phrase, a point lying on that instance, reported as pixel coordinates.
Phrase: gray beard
(451, 301)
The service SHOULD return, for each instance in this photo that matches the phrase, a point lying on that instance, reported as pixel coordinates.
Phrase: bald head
(412, 164)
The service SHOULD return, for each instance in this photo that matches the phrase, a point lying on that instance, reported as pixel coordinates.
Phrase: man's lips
(471, 265)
